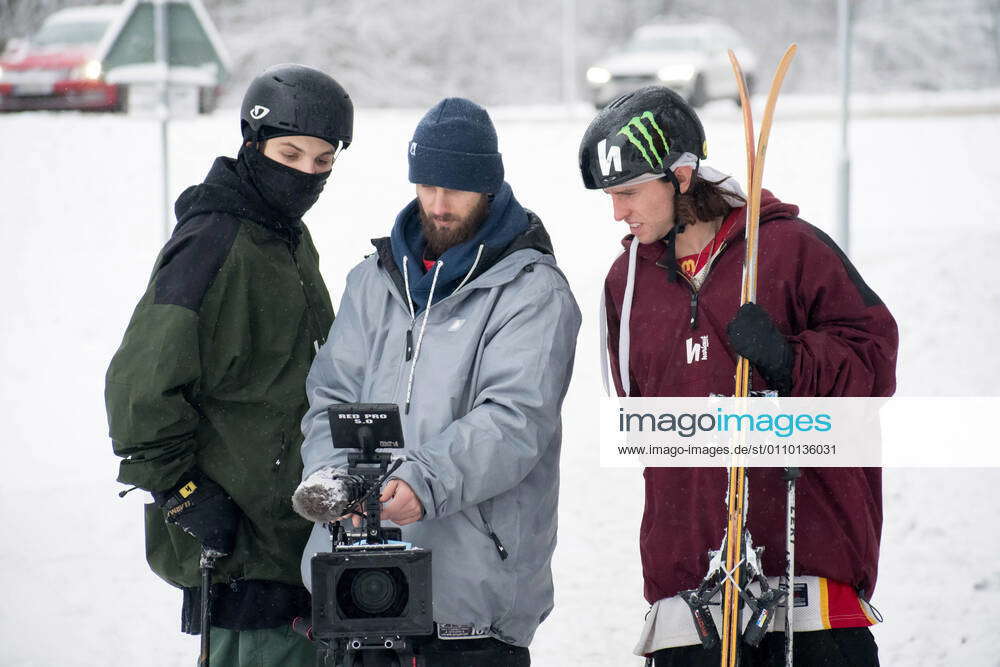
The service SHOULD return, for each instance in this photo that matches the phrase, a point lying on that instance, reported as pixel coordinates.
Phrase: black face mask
(288, 191)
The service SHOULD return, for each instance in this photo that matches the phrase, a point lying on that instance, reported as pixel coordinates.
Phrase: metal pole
(161, 45)
(207, 564)
(791, 474)
(844, 156)
(569, 52)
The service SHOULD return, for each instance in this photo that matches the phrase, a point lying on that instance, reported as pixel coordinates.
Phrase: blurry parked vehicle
(58, 68)
(91, 58)
(688, 58)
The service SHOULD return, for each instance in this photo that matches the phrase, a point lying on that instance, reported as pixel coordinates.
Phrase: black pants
(847, 647)
(451, 653)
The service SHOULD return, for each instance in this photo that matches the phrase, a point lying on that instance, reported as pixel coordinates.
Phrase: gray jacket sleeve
(525, 370)
(335, 377)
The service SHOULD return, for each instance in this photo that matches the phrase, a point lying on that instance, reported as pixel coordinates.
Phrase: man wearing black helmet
(674, 327)
(205, 394)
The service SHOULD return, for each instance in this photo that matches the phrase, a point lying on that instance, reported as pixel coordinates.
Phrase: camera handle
(373, 467)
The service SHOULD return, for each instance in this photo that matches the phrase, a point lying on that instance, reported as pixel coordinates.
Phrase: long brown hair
(703, 201)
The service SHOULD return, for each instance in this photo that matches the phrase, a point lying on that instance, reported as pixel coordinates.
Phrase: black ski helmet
(296, 99)
(642, 132)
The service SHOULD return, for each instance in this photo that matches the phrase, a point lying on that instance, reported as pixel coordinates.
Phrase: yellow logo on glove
(187, 489)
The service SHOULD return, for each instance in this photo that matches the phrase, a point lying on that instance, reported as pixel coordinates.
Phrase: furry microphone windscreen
(326, 495)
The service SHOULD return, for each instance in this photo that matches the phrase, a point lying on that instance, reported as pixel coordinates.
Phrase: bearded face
(449, 217)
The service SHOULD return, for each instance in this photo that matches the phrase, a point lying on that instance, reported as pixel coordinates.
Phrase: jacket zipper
(277, 500)
(693, 320)
(496, 541)
(276, 466)
(318, 338)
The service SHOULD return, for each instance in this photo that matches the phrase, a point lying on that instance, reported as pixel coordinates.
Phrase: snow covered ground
(79, 229)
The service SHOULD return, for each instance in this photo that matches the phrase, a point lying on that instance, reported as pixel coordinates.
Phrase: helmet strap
(669, 258)
(670, 176)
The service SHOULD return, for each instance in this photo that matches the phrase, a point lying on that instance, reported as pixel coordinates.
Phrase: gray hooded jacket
(484, 382)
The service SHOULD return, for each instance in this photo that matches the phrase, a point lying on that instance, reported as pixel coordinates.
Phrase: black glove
(752, 334)
(203, 510)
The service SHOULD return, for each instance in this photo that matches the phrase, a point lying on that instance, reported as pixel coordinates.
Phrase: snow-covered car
(689, 58)
(57, 67)
(102, 58)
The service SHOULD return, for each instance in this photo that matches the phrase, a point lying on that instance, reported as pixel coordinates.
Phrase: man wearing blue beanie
(455, 147)
(462, 318)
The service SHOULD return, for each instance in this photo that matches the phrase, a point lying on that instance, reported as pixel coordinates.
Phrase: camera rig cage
(371, 591)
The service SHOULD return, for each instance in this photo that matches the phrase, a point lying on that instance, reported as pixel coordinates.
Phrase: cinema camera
(372, 591)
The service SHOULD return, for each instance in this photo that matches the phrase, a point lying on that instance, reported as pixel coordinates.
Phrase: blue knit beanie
(455, 147)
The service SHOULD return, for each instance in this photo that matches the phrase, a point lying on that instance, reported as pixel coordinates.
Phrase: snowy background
(530, 52)
(80, 227)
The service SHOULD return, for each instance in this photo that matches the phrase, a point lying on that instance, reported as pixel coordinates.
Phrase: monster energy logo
(636, 122)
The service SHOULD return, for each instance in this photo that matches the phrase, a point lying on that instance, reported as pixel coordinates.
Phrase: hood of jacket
(228, 188)
(506, 221)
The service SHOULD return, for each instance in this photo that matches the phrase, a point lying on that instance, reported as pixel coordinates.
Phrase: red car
(57, 69)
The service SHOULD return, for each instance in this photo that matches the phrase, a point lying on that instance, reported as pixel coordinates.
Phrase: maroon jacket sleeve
(849, 341)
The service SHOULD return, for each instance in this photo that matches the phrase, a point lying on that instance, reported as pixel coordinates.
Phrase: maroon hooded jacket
(845, 344)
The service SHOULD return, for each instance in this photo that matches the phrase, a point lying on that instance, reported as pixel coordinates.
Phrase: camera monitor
(365, 426)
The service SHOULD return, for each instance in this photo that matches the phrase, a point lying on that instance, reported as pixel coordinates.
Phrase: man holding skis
(463, 319)
(205, 394)
(816, 329)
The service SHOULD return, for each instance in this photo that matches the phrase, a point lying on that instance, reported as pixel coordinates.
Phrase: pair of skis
(737, 563)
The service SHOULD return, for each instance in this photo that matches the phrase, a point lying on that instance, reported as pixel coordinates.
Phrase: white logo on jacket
(610, 158)
(697, 351)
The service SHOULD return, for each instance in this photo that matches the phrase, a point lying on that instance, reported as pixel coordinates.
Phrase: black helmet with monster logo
(642, 132)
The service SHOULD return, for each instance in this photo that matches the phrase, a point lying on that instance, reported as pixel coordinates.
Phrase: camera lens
(373, 591)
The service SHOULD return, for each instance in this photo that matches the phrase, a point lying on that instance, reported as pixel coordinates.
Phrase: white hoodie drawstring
(423, 326)
(479, 253)
(406, 283)
(602, 316)
(624, 341)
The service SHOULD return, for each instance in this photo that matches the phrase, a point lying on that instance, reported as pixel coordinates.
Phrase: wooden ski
(735, 542)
